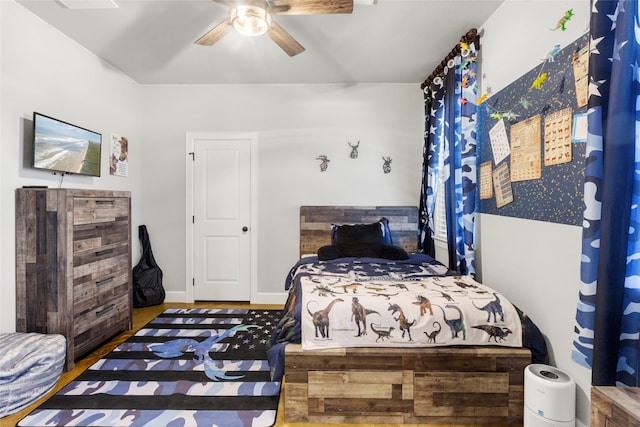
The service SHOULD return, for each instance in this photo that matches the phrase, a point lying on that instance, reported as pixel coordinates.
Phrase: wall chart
(532, 137)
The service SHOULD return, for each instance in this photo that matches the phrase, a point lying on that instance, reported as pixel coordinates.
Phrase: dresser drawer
(104, 258)
(96, 325)
(96, 289)
(96, 235)
(92, 210)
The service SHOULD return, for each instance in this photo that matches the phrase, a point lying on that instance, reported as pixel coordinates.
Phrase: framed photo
(119, 157)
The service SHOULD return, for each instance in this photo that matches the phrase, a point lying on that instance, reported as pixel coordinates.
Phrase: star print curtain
(608, 314)
(450, 131)
(433, 99)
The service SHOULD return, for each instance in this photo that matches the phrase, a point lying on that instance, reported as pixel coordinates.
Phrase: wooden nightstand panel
(615, 407)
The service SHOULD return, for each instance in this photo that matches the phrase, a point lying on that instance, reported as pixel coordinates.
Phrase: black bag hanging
(147, 276)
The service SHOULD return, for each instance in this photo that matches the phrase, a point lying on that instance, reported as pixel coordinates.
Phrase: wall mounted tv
(62, 147)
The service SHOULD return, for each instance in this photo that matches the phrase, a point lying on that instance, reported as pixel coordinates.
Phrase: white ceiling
(152, 41)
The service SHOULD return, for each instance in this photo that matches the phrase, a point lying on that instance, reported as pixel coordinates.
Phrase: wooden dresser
(73, 265)
(615, 407)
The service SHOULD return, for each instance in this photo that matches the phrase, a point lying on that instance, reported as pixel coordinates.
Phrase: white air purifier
(549, 397)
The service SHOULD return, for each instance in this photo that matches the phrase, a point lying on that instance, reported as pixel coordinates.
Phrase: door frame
(191, 139)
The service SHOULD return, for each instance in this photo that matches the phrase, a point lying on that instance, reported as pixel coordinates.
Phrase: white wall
(42, 70)
(295, 124)
(535, 264)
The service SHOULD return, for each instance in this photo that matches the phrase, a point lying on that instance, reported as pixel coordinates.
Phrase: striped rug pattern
(186, 368)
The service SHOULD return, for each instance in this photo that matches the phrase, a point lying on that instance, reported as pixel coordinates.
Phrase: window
(440, 214)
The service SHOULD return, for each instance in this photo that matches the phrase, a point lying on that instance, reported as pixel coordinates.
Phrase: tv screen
(62, 147)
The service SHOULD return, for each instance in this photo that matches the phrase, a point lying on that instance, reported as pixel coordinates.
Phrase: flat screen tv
(62, 147)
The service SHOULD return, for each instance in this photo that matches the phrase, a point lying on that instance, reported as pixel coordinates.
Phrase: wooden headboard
(315, 224)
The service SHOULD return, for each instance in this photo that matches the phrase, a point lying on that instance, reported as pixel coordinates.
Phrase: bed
(375, 333)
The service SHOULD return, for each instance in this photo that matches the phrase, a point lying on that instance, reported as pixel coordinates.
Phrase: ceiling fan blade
(234, 3)
(216, 33)
(284, 39)
(230, 3)
(310, 7)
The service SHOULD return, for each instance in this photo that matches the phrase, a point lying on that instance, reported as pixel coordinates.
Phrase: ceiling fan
(254, 18)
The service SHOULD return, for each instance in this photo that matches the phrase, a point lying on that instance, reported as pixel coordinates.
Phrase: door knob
(245, 228)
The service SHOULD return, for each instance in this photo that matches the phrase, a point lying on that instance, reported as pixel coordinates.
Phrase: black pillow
(392, 252)
(329, 252)
(384, 227)
(359, 240)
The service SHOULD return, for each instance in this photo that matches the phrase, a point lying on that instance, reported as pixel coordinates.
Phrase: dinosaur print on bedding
(402, 303)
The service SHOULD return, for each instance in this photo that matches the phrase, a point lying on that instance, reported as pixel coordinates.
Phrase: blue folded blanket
(30, 366)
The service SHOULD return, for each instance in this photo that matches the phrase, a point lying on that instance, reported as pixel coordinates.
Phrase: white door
(222, 196)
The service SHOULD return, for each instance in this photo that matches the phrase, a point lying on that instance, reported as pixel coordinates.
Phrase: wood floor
(142, 316)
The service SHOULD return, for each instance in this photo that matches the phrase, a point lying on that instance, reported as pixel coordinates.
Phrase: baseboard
(269, 298)
(260, 298)
(175, 296)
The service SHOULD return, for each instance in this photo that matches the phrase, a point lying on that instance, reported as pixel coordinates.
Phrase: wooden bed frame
(463, 385)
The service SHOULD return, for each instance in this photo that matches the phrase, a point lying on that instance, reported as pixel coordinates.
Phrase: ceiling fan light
(250, 20)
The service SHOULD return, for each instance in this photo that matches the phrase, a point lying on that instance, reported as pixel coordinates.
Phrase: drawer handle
(105, 202)
(105, 281)
(105, 311)
(104, 252)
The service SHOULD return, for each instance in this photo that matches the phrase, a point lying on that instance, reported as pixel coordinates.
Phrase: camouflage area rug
(187, 368)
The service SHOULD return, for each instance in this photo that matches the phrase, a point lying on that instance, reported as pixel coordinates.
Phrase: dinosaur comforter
(371, 302)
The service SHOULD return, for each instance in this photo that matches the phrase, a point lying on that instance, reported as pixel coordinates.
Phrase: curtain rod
(471, 36)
